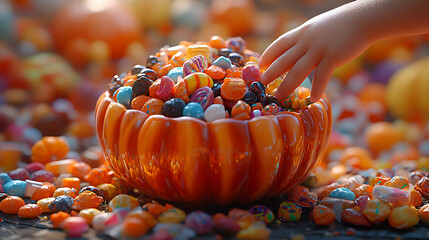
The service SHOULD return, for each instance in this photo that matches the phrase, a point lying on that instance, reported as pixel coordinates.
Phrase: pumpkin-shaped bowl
(227, 161)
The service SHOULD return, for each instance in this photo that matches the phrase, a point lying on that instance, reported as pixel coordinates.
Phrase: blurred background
(57, 57)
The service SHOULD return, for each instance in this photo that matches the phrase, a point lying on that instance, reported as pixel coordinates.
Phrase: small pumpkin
(49, 149)
(188, 160)
(407, 92)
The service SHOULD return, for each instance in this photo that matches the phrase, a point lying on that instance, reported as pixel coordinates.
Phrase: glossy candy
(125, 95)
(423, 186)
(197, 80)
(237, 44)
(175, 74)
(166, 89)
(42, 176)
(354, 217)
(65, 191)
(390, 194)
(44, 203)
(241, 111)
(138, 102)
(342, 193)
(203, 96)
(377, 210)
(58, 218)
(199, 221)
(86, 200)
(60, 167)
(214, 112)
(73, 183)
(262, 213)
(250, 74)
(403, 217)
(198, 49)
(29, 211)
(49, 149)
(195, 64)
(141, 86)
(109, 190)
(424, 214)
(75, 226)
(289, 211)
(173, 215)
(215, 72)
(194, 109)
(11, 204)
(249, 97)
(62, 203)
(181, 91)
(19, 174)
(153, 106)
(233, 89)
(223, 62)
(123, 201)
(164, 70)
(270, 109)
(133, 227)
(15, 188)
(89, 214)
(236, 59)
(323, 215)
(149, 73)
(178, 60)
(31, 187)
(173, 107)
(93, 189)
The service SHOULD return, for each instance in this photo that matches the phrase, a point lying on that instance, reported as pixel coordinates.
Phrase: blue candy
(343, 193)
(125, 94)
(175, 73)
(15, 188)
(61, 203)
(223, 62)
(4, 178)
(194, 109)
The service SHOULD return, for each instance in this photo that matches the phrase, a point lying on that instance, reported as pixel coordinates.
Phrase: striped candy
(197, 80)
(195, 64)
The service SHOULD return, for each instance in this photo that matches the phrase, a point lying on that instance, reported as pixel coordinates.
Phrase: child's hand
(322, 43)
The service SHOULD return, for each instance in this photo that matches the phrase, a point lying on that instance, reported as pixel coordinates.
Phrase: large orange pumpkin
(188, 160)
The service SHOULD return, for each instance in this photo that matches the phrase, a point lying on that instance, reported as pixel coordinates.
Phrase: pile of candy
(208, 81)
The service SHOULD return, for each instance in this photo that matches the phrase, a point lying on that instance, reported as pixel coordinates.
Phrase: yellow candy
(272, 87)
(197, 80)
(197, 49)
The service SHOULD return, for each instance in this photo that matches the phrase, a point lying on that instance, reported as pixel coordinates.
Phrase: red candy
(250, 73)
(166, 89)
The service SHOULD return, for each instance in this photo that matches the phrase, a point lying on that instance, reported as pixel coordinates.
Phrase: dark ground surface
(13, 228)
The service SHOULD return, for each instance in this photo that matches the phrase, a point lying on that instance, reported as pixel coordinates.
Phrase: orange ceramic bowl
(222, 162)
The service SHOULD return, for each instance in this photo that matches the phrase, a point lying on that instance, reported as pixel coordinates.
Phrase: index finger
(276, 49)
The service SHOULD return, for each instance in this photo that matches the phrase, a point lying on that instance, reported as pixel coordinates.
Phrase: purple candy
(195, 64)
(199, 221)
(203, 96)
(19, 174)
(256, 113)
(384, 71)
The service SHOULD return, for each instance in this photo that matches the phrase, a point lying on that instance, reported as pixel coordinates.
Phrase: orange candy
(215, 72)
(164, 70)
(377, 210)
(89, 214)
(58, 218)
(155, 208)
(181, 91)
(233, 89)
(80, 169)
(415, 198)
(86, 200)
(398, 182)
(381, 136)
(65, 191)
(217, 42)
(45, 191)
(11, 204)
(98, 176)
(134, 227)
(241, 110)
(154, 88)
(322, 215)
(30, 211)
(424, 214)
(49, 149)
(233, 72)
(73, 183)
(44, 204)
(145, 216)
(139, 101)
(356, 157)
(153, 106)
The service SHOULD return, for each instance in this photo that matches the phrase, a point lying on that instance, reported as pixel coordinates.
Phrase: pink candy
(203, 96)
(75, 226)
(195, 64)
(166, 89)
(250, 73)
(390, 194)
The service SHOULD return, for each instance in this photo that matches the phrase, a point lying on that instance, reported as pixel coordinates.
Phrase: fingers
(296, 75)
(321, 78)
(281, 64)
(276, 49)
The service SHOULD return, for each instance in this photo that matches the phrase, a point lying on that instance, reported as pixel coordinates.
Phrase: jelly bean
(62, 203)
(237, 44)
(256, 231)
(164, 70)
(214, 112)
(15, 188)
(377, 210)
(200, 222)
(43, 176)
(58, 218)
(424, 214)
(226, 227)
(203, 96)
(93, 189)
(197, 80)
(179, 231)
(29, 211)
(241, 110)
(31, 187)
(423, 186)
(403, 217)
(109, 190)
(19, 174)
(134, 227)
(75, 226)
(342, 193)
(173, 107)
(11, 204)
(178, 60)
(138, 102)
(123, 201)
(354, 217)
(59, 167)
(249, 97)
(173, 215)
(65, 191)
(390, 194)
(86, 200)
(153, 106)
(44, 203)
(397, 182)
(34, 167)
(256, 113)
(233, 89)
(270, 109)
(194, 109)
(195, 64)
(181, 91)
(250, 74)
(198, 49)
(262, 213)
(323, 215)
(136, 69)
(151, 61)
(236, 59)
(125, 95)
(89, 214)
(141, 86)
(217, 42)
(145, 216)
(175, 74)
(215, 72)
(148, 73)
(415, 198)
(223, 62)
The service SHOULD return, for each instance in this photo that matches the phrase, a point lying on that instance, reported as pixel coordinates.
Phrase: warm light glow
(98, 5)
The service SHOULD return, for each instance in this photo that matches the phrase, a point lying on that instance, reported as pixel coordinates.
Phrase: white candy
(214, 112)
(31, 187)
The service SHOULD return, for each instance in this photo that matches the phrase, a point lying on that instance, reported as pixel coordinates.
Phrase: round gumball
(194, 109)
(214, 112)
(173, 107)
(233, 89)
